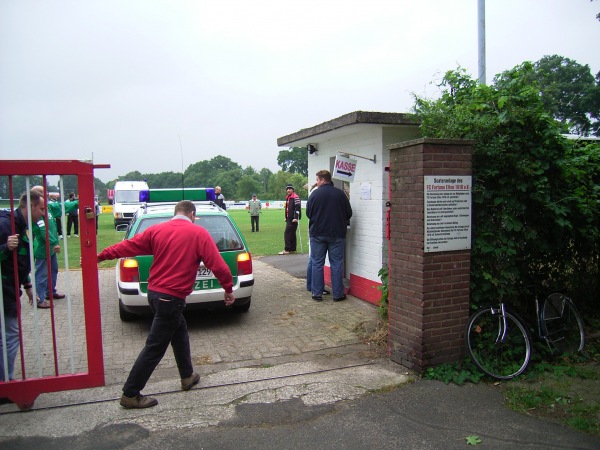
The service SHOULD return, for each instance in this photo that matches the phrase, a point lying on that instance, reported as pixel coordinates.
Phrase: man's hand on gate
(12, 242)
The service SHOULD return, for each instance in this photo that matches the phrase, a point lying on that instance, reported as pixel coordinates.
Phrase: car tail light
(129, 271)
(244, 264)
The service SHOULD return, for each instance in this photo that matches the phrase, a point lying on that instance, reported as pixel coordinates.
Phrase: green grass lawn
(269, 241)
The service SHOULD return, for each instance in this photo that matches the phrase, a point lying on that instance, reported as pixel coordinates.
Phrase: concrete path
(289, 374)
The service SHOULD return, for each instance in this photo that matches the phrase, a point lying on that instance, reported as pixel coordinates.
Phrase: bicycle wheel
(500, 352)
(563, 327)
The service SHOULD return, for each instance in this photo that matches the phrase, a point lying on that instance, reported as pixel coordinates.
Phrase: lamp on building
(312, 148)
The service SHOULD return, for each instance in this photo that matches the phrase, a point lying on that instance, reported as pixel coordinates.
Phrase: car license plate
(204, 272)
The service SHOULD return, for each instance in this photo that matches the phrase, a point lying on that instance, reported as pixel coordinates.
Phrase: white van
(127, 200)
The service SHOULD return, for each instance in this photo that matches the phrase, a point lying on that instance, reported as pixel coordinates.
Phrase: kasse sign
(344, 168)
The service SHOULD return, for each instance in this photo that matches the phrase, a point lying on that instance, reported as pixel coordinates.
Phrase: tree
(569, 92)
(228, 181)
(18, 186)
(136, 175)
(536, 201)
(69, 184)
(206, 174)
(164, 180)
(264, 177)
(294, 160)
(281, 179)
(247, 186)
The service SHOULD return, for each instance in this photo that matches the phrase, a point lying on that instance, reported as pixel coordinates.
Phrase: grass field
(269, 241)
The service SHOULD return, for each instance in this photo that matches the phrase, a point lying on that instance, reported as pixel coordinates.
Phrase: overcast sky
(156, 85)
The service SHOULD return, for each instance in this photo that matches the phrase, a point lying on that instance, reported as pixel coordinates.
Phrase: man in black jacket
(15, 276)
(328, 210)
(219, 198)
(293, 211)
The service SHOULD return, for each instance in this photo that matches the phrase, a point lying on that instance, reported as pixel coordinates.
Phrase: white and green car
(132, 273)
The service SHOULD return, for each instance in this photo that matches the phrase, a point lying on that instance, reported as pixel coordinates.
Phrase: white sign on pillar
(344, 168)
(447, 213)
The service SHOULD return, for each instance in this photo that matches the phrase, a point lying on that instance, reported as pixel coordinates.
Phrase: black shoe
(343, 297)
(5, 401)
(326, 292)
(317, 298)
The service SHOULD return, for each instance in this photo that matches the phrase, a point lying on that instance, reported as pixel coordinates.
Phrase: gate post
(428, 292)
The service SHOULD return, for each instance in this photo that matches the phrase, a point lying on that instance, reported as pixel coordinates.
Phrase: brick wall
(429, 292)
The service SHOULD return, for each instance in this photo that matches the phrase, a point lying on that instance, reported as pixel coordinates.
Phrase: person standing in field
(254, 208)
(219, 198)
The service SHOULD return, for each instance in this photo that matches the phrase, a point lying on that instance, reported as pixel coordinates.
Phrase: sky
(157, 85)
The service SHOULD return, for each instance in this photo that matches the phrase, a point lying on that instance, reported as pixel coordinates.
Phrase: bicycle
(499, 342)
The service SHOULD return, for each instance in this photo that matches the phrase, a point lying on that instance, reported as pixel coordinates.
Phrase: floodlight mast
(481, 39)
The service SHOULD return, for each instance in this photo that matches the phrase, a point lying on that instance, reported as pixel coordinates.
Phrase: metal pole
(481, 40)
(300, 234)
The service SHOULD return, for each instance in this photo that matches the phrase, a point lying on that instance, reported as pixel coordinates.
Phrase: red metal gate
(46, 340)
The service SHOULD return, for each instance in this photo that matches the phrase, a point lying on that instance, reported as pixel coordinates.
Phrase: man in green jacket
(41, 254)
(254, 210)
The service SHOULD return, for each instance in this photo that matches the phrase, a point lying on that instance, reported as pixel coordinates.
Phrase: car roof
(204, 207)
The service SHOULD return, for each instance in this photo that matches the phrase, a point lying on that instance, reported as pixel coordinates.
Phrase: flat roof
(353, 118)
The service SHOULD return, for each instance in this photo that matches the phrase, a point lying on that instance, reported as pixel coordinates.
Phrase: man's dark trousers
(253, 222)
(168, 327)
(289, 236)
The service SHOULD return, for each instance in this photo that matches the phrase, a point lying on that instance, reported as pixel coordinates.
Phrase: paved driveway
(283, 321)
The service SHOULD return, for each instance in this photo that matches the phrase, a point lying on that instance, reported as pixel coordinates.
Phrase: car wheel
(124, 315)
(243, 308)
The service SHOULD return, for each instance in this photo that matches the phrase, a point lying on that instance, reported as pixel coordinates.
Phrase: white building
(364, 137)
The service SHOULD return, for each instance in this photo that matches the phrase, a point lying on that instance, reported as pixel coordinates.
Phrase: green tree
(18, 186)
(569, 92)
(294, 160)
(164, 180)
(206, 173)
(281, 179)
(100, 189)
(247, 186)
(70, 184)
(264, 177)
(228, 181)
(136, 175)
(536, 202)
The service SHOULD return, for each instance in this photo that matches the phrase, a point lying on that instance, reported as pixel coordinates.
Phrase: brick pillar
(429, 292)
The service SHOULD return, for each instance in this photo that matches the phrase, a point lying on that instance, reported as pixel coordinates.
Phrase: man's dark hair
(185, 207)
(324, 175)
(35, 198)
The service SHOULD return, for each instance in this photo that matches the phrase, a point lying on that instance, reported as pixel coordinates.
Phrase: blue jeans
(320, 246)
(168, 327)
(41, 276)
(309, 273)
(12, 345)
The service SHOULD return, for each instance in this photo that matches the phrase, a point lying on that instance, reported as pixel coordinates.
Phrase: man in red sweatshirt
(178, 246)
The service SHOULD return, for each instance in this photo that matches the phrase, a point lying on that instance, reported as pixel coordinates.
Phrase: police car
(157, 206)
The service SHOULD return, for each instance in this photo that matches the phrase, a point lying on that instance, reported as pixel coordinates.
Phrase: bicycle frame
(538, 318)
(502, 330)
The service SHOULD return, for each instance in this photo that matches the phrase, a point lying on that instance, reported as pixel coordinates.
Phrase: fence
(47, 338)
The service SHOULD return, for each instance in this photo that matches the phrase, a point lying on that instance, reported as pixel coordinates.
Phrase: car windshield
(220, 228)
(127, 196)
